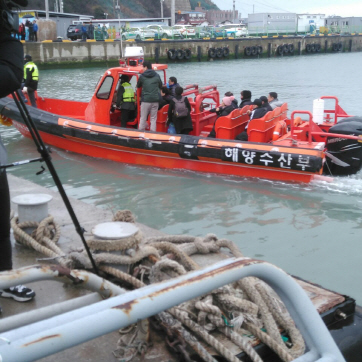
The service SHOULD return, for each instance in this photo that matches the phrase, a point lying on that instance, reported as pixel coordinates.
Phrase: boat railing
(47, 333)
(191, 89)
(338, 111)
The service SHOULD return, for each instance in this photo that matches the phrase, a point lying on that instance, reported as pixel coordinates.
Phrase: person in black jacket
(245, 96)
(224, 109)
(165, 97)
(172, 84)
(265, 103)
(183, 122)
(258, 112)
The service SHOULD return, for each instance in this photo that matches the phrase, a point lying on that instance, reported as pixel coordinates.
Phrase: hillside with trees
(129, 9)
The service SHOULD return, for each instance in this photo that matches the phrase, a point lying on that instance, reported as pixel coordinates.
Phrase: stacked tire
(253, 50)
(337, 47)
(313, 48)
(285, 49)
(179, 54)
(218, 52)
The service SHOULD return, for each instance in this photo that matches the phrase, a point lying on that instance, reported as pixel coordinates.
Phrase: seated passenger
(273, 100)
(258, 112)
(179, 113)
(265, 103)
(225, 108)
(234, 101)
(172, 84)
(165, 97)
(126, 101)
(245, 96)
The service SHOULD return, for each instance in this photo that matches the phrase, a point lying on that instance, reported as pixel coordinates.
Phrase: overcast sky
(327, 7)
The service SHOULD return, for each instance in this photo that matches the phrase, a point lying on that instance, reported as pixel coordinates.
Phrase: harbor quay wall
(95, 52)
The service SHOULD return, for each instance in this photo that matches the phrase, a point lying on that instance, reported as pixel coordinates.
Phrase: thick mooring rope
(233, 310)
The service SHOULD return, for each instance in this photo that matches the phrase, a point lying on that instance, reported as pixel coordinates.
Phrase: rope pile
(244, 313)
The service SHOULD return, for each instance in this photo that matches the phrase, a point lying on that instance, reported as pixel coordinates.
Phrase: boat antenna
(45, 156)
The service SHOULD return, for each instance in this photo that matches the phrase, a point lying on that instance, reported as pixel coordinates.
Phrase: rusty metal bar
(123, 310)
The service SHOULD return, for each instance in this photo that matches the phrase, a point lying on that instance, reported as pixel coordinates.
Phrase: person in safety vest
(126, 101)
(31, 78)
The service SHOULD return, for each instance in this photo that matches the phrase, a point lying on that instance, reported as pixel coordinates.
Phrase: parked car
(216, 32)
(165, 32)
(74, 32)
(235, 30)
(187, 31)
(138, 33)
(202, 32)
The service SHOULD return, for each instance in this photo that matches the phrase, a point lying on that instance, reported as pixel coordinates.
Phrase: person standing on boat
(273, 100)
(225, 108)
(151, 83)
(126, 101)
(31, 78)
(245, 97)
(265, 103)
(179, 113)
(258, 112)
(172, 84)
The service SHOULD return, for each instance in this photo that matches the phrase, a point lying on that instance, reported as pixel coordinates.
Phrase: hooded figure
(245, 96)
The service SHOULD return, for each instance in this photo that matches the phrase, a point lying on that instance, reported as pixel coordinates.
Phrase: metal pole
(46, 156)
(47, 9)
(161, 9)
(233, 11)
(172, 12)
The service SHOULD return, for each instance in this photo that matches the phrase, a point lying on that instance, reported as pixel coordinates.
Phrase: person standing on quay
(35, 30)
(151, 84)
(31, 78)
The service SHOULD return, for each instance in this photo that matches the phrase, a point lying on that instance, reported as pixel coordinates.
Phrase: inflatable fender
(340, 46)
(212, 53)
(279, 130)
(180, 54)
(247, 51)
(188, 54)
(335, 47)
(312, 48)
(226, 51)
(171, 53)
(219, 52)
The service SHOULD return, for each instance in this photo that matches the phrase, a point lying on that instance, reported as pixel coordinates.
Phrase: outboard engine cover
(346, 150)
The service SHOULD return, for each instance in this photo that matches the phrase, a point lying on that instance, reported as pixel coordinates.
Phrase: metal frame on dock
(46, 337)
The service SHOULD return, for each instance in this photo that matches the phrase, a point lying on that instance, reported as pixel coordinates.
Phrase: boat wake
(349, 185)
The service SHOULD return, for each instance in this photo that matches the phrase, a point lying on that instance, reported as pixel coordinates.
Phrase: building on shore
(342, 25)
(309, 23)
(272, 23)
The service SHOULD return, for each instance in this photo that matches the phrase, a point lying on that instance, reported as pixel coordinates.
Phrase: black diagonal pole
(47, 159)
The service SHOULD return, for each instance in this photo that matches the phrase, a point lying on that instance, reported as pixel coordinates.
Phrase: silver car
(138, 33)
(165, 32)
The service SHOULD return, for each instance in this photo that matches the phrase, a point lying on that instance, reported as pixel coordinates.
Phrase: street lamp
(162, 8)
(106, 14)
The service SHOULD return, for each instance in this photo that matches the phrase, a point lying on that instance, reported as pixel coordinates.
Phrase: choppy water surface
(313, 231)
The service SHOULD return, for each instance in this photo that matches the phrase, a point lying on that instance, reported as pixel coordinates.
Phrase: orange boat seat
(161, 125)
(228, 127)
(261, 129)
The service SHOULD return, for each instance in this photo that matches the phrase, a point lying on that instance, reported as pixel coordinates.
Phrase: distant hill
(129, 9)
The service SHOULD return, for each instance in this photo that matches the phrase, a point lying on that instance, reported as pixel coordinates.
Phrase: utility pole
(161, 9)
(172, 12)
(61, 6)
(47, 9)
(233, 11)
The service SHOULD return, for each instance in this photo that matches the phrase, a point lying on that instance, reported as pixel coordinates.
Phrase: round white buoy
(114, 230)
(32, 207)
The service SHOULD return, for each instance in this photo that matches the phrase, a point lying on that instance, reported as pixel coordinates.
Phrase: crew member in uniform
(126, 101)
(31, 78)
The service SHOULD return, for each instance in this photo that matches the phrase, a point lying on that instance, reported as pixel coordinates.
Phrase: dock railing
(48, 336)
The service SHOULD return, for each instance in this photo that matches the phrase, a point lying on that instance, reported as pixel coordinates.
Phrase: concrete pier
(92, 52)
(49, 292)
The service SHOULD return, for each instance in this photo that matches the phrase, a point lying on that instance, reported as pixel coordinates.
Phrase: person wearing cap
(225, 108)
(31, 78)
(126, 101)
(265, 103)
(273, 100)
(258, 112)
(245, 97)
